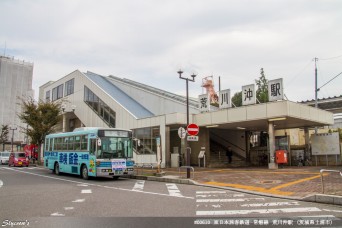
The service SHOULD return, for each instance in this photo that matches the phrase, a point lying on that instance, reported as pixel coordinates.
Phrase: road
(34, 196)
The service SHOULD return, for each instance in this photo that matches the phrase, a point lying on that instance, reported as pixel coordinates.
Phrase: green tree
(262, 91)
(4, 135)
(41, 118)
(237, 99)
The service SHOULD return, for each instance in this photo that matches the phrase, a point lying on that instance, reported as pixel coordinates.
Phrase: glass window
(59, 91)
(84, 142)
(77, 144)
(69, 87)
(146, 143)
(50, 144)
(47, 96)
(58, 143)
(99, 107)
(54, 94)
(46, 145)
(65, 143)
(71, 143)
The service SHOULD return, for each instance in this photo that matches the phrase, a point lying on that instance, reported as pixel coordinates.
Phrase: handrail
(187, 167)
(327, 170)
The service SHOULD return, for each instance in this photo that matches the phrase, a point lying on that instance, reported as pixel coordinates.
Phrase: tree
(237, 99)
(41, 118)
(4, 135)
(262, 91)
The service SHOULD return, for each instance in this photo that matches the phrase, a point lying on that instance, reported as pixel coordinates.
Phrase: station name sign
(275, 92)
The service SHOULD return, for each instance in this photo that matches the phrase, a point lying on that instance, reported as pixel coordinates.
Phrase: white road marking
(68, 208)
(228, 195)
(211, 192)
(1, 183)
(173, 190)
(57, 214)
(86, 191)
(226, 200)
(139, 185)
(78, 201)
(102, 186)
(259, 211)
(273, 204)
(332, 210)
(82, 185)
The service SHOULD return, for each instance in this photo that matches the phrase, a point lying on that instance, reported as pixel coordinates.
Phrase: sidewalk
(300, 183)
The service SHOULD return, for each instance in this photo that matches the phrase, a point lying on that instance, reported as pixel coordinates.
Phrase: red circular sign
(193, 129)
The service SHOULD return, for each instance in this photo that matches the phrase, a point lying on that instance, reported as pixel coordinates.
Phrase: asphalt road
(34, 197)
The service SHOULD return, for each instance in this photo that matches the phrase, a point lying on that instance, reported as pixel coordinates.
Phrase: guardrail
(187, 167)
(334, 182)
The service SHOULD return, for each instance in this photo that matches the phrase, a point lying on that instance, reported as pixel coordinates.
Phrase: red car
(18, 159)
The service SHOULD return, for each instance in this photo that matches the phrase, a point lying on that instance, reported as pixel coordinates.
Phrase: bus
(90, 152)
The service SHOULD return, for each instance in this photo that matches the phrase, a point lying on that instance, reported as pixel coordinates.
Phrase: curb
(322, 198)
(317, 198)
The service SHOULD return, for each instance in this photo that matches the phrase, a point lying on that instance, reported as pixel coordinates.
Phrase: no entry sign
(193, 129)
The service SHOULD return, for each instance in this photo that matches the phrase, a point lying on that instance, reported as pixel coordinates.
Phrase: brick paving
(297, 182)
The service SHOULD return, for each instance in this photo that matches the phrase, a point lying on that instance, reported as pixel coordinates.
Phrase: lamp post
(12, 129)
(180, 72)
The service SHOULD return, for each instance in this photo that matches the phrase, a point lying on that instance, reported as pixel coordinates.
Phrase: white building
(15, 84)
(93, 100)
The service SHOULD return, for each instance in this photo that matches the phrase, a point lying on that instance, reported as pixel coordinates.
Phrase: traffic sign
(181, 132)
(192, 138)
(193, 129)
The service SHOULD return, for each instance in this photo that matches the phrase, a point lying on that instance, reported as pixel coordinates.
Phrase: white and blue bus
(90, 152)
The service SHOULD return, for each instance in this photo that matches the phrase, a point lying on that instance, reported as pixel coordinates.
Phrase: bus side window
(77, 143)
(92, 146)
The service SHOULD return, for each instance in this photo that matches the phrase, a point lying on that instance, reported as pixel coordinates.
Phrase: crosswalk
(219, 203)
(225, 203)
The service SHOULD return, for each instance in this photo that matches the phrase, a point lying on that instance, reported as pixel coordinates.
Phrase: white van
(4, 157)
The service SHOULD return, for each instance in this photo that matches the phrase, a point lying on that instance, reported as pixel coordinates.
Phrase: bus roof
(83, 130)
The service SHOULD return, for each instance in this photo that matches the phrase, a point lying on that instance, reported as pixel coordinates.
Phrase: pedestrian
(229, 154)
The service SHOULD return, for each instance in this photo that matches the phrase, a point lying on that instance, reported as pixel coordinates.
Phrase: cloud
(148, 41)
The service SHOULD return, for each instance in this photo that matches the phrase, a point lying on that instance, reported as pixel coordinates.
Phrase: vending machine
(281, 156)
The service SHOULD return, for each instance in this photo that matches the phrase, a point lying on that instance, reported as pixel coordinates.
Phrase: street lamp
(180, 72)
(12, 129)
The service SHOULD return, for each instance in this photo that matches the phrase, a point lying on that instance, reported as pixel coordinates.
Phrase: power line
(329, 80)
(336, 57)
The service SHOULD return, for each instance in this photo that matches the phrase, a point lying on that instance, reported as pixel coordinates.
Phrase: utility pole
(12, 129)
(316, 90)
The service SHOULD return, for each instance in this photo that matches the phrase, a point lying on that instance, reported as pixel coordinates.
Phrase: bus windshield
(115, 147)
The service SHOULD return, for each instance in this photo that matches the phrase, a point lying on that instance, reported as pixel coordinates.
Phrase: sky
(150, 40)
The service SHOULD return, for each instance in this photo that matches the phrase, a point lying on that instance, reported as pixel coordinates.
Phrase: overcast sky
(150, 40)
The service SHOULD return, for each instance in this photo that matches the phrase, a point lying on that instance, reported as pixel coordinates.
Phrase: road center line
(102, 186)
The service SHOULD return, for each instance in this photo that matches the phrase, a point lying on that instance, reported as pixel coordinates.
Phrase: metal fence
(331, 182)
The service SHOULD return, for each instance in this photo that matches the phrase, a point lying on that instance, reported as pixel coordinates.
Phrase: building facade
(15, 84)
(93, 100)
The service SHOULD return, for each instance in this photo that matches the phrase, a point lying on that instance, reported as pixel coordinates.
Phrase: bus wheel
(84, 172)
(56, 169)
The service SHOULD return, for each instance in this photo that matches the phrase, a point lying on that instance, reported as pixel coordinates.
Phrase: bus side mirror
(99, 142)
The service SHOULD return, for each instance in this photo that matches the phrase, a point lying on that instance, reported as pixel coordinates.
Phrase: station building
(92, 100)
